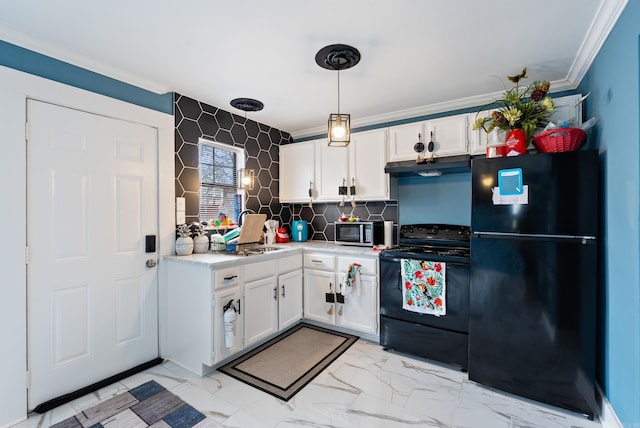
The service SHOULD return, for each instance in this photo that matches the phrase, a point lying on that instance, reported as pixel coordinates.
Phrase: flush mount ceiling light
(338, 57)
(247, 104)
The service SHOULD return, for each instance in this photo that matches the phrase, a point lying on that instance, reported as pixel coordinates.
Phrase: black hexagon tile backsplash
(194, 120)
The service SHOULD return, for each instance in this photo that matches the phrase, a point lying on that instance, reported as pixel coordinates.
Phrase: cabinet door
(290, 298)
(449, 135)
(360, 309)
(402, 138)
(332, 169)
(477, 137)
(316, 284)
(225, 348)
(297, 162)
(261, 309)
(367, 159)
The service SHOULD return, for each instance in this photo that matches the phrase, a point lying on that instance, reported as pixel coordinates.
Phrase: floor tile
(364, 387)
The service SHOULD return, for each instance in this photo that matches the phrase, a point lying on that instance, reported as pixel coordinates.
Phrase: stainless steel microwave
(363, 233)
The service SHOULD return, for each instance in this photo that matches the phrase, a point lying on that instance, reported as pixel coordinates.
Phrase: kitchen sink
(256, 251)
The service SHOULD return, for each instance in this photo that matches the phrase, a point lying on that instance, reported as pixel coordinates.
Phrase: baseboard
(16, 422)
(608, 418)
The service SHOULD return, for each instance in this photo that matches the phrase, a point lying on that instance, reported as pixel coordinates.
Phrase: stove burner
(437, 241)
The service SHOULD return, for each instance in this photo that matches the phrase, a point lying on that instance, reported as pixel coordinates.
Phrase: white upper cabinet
(367, 159)
(403, 138)
(477, 137)
(332, 167)
(360, 164)
(297, 172)
(449, 138)
(449, 135)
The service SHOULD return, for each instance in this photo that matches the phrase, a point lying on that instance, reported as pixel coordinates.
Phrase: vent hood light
(439, 166)
(435, 173)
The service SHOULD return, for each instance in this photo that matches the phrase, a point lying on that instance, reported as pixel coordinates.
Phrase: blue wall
(613, 80)
(13, 56)
(445, 199)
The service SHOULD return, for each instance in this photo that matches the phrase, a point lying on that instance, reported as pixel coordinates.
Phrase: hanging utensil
(430, 147)
(352, 190)
(419, 148)
(342, 190)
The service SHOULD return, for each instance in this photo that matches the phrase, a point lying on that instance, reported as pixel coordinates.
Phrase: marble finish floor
(365, 387)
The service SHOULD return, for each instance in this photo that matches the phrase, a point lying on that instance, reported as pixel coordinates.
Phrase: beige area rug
(285, 364)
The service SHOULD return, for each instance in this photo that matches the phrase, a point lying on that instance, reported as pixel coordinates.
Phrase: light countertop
(219, 259)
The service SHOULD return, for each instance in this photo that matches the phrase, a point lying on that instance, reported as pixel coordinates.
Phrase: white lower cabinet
(260, 309)
(289, 298)
(196, 296)
(324, 278)
(227, 343)
(261, 301)
(317, 284)
(358, 312)
(266, 297)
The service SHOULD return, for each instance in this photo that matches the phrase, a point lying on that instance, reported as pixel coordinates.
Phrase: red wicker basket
(559, 140)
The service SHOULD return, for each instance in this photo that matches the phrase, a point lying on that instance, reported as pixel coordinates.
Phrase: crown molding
(60, 54)
(603, 22)
(418, 113)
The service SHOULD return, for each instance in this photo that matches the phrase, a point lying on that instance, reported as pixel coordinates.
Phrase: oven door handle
(400, 280)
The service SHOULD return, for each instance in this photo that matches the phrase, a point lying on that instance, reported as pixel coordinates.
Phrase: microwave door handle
(361, 233)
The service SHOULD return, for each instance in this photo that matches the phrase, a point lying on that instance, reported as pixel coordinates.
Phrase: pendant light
(338, 57)
(246, 177)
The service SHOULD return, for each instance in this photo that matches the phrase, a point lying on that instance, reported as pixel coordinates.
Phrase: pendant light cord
(338, 91)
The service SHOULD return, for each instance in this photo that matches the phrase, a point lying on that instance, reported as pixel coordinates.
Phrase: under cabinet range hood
(435, 168)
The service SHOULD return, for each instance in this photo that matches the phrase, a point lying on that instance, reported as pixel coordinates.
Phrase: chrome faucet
(242, 213)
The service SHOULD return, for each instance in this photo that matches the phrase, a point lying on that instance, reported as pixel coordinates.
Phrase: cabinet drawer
(260, 270)
(289, 263)
(228, 277)
(319, 261)
(367, 266)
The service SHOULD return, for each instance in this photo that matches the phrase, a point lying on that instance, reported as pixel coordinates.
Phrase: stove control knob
(434, 230)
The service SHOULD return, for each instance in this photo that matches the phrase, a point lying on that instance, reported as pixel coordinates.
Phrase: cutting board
(252, 225)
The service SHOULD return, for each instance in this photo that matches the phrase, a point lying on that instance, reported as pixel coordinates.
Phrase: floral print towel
(424, 286)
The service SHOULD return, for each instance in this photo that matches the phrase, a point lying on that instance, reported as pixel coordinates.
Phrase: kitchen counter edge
(218, 259)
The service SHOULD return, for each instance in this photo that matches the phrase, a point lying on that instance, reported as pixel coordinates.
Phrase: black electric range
(443, 338)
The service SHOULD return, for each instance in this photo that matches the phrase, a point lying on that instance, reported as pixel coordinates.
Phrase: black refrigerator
(534, 272)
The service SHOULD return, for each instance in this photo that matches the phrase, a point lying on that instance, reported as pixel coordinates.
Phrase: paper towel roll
(388, 234)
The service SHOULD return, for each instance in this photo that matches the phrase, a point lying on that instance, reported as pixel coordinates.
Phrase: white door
(92, 198)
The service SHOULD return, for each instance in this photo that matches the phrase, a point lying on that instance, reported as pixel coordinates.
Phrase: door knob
(151, 263)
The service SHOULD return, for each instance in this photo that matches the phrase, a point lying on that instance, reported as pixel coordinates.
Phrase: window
(218, 165)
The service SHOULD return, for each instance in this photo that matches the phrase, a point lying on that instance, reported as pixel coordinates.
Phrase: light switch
(180, 210)
(181, 205)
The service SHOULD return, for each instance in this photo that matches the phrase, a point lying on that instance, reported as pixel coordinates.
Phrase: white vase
(201, 244)
(184, 246)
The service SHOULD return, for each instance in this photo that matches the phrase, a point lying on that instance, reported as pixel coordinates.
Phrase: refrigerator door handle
(502, 235)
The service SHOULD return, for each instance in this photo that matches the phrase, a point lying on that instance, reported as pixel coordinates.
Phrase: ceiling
(418, 56)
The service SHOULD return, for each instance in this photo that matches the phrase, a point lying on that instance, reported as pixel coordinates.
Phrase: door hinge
(26, 255)
(26, 132)
(28, 378)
